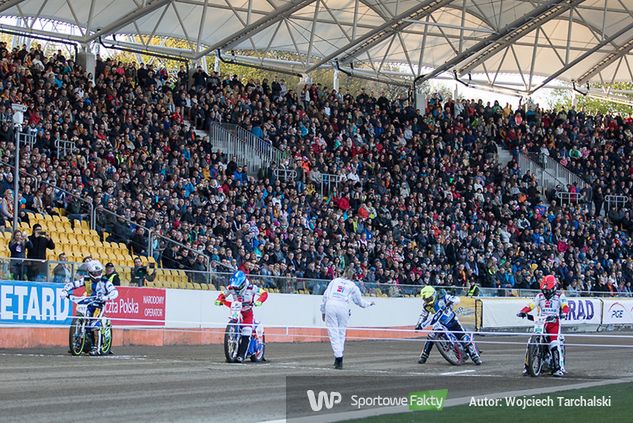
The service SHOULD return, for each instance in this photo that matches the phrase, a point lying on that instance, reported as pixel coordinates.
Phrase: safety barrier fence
(190, 317)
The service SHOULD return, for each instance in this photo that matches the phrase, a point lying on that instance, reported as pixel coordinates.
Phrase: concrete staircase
(503, 156)
(245, 147)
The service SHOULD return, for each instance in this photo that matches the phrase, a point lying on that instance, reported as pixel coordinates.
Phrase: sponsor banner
(135, 306)
(501, 312)
(189, 308)
(617, 311)
(142, 306)
(465, 311)
(33, 303)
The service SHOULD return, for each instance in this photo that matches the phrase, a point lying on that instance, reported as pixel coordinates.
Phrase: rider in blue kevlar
(441, 303)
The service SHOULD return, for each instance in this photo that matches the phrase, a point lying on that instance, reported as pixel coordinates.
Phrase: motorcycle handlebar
(85, 300)
(548, 319)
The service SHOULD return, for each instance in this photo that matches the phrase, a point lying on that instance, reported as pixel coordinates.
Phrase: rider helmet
(238, 282)
(548, 286)
(95, 269)
(428, 294)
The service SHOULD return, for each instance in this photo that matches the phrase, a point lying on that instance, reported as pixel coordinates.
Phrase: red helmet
(548, 286)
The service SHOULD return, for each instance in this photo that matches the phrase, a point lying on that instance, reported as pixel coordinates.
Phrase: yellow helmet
(428, 294)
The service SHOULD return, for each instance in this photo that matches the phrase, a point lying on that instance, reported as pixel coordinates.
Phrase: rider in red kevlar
(549, 302)
(240, 289)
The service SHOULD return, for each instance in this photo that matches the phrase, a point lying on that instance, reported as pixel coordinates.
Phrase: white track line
(459, 372)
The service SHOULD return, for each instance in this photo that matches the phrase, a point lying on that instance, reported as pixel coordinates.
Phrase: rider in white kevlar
(335, 311)
(98, 287)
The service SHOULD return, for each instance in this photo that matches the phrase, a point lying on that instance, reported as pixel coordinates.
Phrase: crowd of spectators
(599, 148)
(421, 199)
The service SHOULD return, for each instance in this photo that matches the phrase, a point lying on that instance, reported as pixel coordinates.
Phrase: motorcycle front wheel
(231, 342)
(451, 351)
(535, 356)
(77, 336)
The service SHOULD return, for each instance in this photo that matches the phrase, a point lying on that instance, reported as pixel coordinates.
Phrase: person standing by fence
(18, 245)
(40, 242)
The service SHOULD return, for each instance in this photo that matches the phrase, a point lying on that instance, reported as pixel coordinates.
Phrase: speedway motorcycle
(256, 344)
(81, 336)
(539, 356)
(452, 349)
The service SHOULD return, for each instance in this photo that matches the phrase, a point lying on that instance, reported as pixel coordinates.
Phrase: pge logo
(329, 399)
(617, 314)
(617, 311)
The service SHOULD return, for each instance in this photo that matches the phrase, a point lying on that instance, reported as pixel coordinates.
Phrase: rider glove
(258, 303)
(218, 302)
(522, 315)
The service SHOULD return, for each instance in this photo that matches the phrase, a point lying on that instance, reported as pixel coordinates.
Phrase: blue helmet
(238, 281)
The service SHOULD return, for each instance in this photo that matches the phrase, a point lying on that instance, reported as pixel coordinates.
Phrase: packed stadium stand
(420, 197)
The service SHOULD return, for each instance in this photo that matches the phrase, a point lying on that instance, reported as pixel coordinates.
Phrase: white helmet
(95, 269)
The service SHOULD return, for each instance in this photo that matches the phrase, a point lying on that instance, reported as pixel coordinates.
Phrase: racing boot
(556, 368)
(94, 351)
(241, 349)
(428, 345)
(338, 363)
(525, 370)
(423, 358)
(474, 355)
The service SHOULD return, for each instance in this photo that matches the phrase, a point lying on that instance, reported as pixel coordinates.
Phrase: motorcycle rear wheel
(106, 338)
(259, 356)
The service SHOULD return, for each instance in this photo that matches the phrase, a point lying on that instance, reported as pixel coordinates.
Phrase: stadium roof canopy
(538, 41)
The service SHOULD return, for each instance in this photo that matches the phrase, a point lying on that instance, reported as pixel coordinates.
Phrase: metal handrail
(555, 170)
(64, 147)
(326, 182)
(152, 235)
(39, 182)
(256, 153)
(570, 197)
(616, 201)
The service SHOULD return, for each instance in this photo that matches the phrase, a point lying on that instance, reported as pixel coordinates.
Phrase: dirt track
(184, 383)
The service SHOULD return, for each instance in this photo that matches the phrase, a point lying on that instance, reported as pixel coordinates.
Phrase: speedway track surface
(194, 384)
